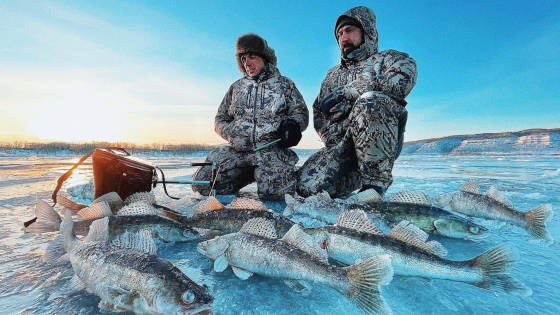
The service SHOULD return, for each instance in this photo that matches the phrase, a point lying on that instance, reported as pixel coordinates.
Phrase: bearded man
(360, 112)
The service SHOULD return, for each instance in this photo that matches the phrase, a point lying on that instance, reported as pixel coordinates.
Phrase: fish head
(213, 248)
(176, 234)
(179, 300)
(443, 199)
(460, 228)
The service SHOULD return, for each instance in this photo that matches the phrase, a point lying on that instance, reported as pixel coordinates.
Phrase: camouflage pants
(366, 154)
(272, 168)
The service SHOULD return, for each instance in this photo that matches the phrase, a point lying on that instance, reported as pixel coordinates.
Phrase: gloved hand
(289, 132)
(329, 101)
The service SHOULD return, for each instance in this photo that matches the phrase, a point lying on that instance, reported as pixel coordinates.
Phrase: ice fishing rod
(266, 145)
(186, 182)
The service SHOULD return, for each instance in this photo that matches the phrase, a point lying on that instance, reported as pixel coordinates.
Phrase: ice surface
(528, 181)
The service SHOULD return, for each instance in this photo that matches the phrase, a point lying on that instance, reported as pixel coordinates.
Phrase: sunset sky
(156, 71)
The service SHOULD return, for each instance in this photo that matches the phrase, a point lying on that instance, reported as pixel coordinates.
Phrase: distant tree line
(83, 148)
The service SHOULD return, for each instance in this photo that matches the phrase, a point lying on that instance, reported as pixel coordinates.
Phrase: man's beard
(348, 45)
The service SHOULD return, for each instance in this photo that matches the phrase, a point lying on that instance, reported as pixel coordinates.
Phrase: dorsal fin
(298, 238)
(358, 220)
(247, 204)
(366, 196)
(98, 231)
(497, 195)
(64, 200)
(324, 195)
(141, 241)
(147, 196)
(411, 196)
(260, 227)
(114, 200)
(45, 213)
(208, 204)
(411, 234)
(471, 187)
(96, 211)
(138, 208)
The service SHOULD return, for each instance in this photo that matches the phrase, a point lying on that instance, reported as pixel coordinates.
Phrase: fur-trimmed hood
(253, 43)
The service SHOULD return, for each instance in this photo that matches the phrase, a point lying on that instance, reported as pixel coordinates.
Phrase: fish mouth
(476, 237)
(200, 309)
(201, 250)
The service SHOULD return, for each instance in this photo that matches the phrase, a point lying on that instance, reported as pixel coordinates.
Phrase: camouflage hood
(366, 18)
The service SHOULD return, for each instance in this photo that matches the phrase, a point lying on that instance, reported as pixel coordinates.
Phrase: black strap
(65, 176)
(164, 187)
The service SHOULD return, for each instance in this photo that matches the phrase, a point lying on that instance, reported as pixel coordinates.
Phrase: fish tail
(47, 219)
(536, 221)
(365, 279)
(67, 230)
(494, 264)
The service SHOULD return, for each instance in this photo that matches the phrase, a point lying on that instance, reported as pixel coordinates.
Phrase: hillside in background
(531, 141)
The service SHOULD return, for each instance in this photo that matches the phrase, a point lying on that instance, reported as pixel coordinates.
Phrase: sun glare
(62, 125)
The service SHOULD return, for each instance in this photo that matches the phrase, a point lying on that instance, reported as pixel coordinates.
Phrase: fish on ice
(355, 237)
(413, 206)
(164, 229)
(127, 276)
(493, 205)
(255, 249)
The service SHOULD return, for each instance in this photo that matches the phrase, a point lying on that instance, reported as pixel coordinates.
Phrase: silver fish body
(295, 258)
(277, 259)
(138, 282)
(163, 229)
(482, 206)
(428, 218)
(231, 220)
(129, 280)
(348, 246)
(487, 270)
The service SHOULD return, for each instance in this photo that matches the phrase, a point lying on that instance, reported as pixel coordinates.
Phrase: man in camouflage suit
(257, 109)
(360, 112)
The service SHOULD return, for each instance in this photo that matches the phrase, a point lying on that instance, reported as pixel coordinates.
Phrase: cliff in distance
(530, 141)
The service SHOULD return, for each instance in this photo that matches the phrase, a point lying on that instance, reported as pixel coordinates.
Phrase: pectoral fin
(220, 264)
(241, 273)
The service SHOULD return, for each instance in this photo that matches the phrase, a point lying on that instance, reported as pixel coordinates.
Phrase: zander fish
(212, 215)
(413, 206)
(495, 206)
(255, 249)
(127, 278)
(322, 207)
(355, 238)
(161, 228)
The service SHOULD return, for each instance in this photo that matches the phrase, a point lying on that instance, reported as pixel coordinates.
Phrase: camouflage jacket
(253, 108)
(390, 72)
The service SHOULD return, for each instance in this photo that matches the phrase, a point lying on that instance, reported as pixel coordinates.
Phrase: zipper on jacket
(255, 116)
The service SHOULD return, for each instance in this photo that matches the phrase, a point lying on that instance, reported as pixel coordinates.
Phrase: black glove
(329, 101)
(289, 132)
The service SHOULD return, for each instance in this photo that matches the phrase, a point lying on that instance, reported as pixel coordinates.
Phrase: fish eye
(188, 297)
(474, 229)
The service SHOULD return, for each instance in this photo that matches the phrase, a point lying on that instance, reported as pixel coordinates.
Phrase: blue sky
(156, 71)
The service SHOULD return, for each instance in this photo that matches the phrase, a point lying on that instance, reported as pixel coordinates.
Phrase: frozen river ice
(527, 180)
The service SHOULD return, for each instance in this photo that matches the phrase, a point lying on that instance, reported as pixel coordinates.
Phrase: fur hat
(254, 44)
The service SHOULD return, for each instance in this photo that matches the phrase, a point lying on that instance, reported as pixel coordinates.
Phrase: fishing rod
(266, 145)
